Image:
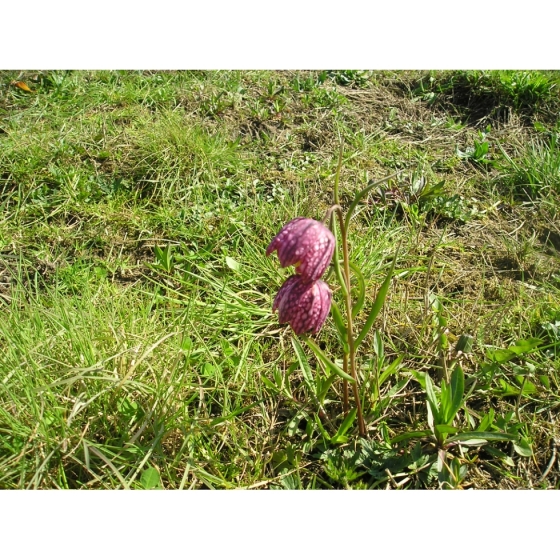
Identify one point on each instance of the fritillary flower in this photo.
(306, 243)
(304, 305)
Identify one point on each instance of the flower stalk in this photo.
(350, 327)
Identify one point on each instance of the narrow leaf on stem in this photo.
(340, 326)
(357, 307)
(321, 356)
(432, 400)
(378, 303)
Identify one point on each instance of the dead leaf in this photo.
(22, 85)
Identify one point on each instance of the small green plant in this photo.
(443, 408)
(323, 98)
(353, 78)
(216, 103)
(479, 152)
(423, 198)
(309, 83)
(164, 258)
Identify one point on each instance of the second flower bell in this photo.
(304, 305)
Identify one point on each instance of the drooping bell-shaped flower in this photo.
(306, 243)
(304, 305)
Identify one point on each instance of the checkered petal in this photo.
(304, 305)
(306, 243)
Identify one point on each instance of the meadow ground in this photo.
(139, 349)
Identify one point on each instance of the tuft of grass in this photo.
(534, 172)
(481, 94)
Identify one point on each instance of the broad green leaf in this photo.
(150, 479)
(159, 253)
(464, 344)
(420, 376)
(233, 264)
(320, 427)
(164, 257)
(345, 426)
(525, 345)
(523, 447)
(430, 191)
(326, 362)
(268, 383)
(500, 356)
(378, 303)
(509, 390)
(292, 425)
(277, 376)
(474, 442)
(432, 400)
(484, 436)
(446, 429)
(186, 344)
(500, 454)
(487, 420)
(390, 369)
(410, 435)
(545, 380)
(325, 387)
(445, 402)
(378, 346)
(457, 392)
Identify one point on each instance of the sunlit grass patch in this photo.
(139, 348)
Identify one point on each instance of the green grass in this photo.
(139, 348)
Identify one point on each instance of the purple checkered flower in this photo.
(304, 305)
(306, 243)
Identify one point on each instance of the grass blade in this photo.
(304, 364)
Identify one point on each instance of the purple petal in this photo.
(304, 305)
(306, 243)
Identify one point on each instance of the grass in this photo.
(139, 349)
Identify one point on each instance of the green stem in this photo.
(350, 330)
(346, 406)
(344, 286)
(337, 176)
